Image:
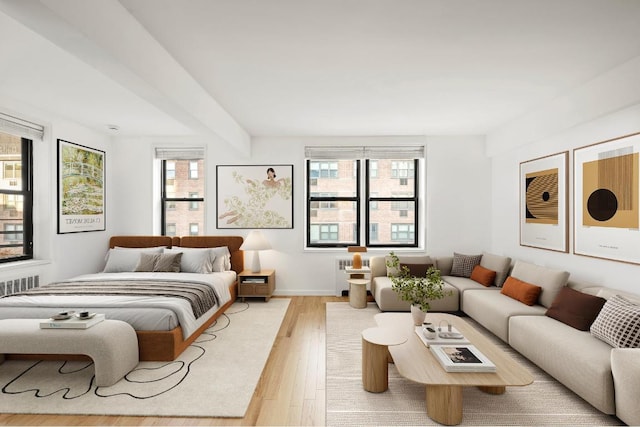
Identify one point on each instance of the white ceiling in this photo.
(241, 68)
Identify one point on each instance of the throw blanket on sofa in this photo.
(200, 296)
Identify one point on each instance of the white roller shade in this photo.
(345, 153)
(20, 127)
(183, 153)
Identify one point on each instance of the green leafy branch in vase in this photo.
(419, 291)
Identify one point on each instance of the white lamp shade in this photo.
(255, 241)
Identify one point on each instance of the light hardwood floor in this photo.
(291, 390)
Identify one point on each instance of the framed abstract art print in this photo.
(544, 203)
(606, 193)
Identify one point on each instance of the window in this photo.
(16, 198)
(193, 229)
(182, 187)
(193, 206)
(193, 170)
(362, 195)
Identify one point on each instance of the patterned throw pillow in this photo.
(169, 263)
(463, 264)
(618, 323)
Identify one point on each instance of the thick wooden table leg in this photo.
(375, 371)
(492, 389)
(444, 404)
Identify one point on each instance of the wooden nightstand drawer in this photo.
(261, 284)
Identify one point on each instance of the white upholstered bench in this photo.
(111, 344)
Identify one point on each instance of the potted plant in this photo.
(417, 290)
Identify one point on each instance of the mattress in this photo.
(144, 313)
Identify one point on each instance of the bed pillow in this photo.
(463, 264)
(194, 260)
(223, 259)
(575, 308)
(169, 263)
(124, 261)
(522, 291)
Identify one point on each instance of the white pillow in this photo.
(194, 260)
(121, 261)
(223, 259)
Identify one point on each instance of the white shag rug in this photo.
(215, 377)
(545, 402)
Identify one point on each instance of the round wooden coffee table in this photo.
(375, 357)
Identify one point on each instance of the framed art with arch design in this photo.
(606, 194)
(544, 218)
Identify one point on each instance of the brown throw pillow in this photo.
(417, 270)
(482, 275)
(575, 308)
(159, 262)
(521, 291)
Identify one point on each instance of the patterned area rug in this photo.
(215, 377)
(545, 402)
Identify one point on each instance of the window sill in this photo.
(20, 265)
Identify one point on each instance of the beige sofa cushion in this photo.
(497, 263)
(625, 366)
(492, 309)
(548, 279)
(575, 358)
(388, 300)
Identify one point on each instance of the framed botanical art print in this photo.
(254, 196)
(606, 193)
(81, 188)
(544, 214)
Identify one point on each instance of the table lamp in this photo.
(255, 242)
(356, 263)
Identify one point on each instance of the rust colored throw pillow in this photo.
(417, 270)
(575, 308)
(482, 275)
(521, 291)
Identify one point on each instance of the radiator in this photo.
(342, 287)
(9, 287)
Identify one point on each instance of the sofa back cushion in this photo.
(550, 280)
(575, 308)
(497, 263)
(522, 291)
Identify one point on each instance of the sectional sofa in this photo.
(572, 330)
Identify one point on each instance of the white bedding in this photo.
(144, 313)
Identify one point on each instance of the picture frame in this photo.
(81, 188)
(606, 194)
(544, 202)
(254, 196)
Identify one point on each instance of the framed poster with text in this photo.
(606, 193)
(544, 214)
(81, 188)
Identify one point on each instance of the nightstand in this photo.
(260, 284)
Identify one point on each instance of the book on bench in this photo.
(72, 322)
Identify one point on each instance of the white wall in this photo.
(58, 256)
(458, 201)
(505, 184)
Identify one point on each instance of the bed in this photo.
(165, 326)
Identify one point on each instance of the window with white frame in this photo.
(372, 192)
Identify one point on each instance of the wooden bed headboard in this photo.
(232, 242)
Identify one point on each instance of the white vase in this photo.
(417, 314)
